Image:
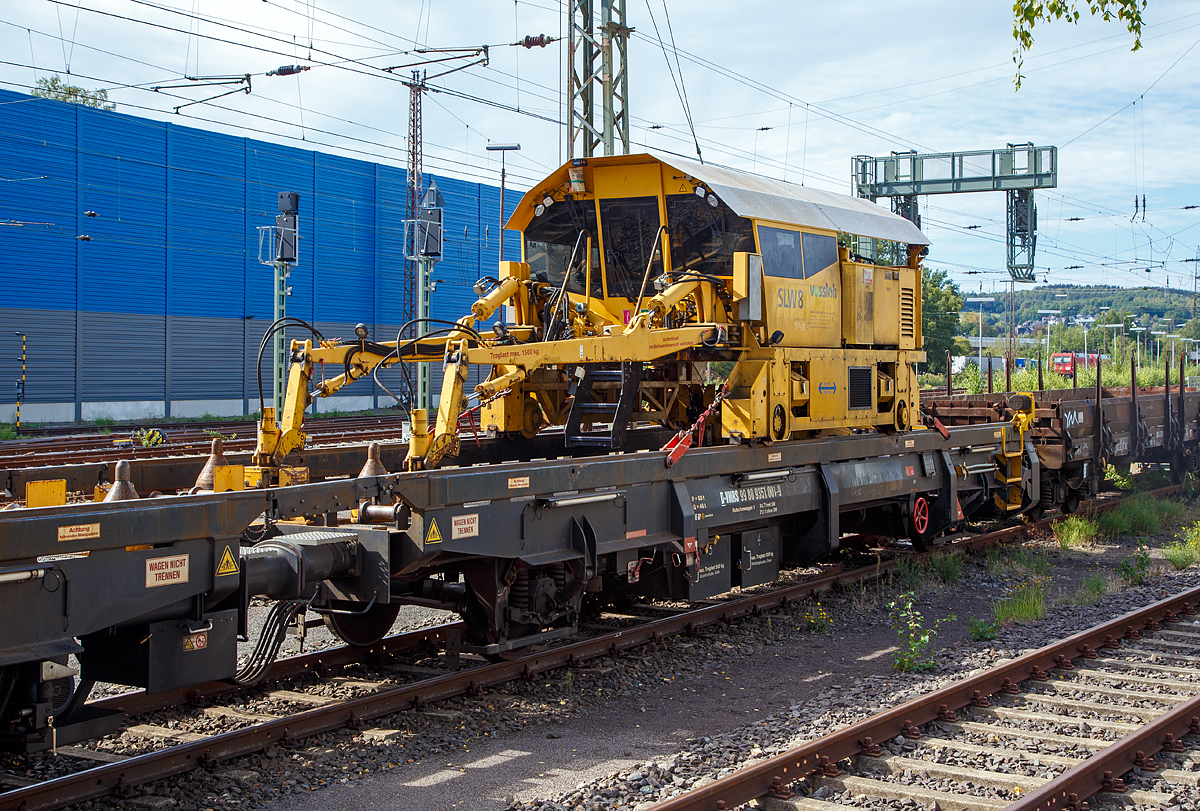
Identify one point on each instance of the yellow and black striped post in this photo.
(21, 382)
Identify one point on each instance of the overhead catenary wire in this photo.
(307, 11)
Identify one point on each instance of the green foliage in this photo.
(947, 567)
(8, 432)
(1094, 587)
(1027, 13)
(1135, 566)
(913, 573)
(915, 638)
(941, 302)
(1140, 515)
(1075, 530)
(1191, 535)
(815, 619)
(1180, 555)
(215, 434)
(982, 630)
(1026, 603)
(1185, 551)
(53, 87)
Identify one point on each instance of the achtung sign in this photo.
(166, 571)
(78, 532)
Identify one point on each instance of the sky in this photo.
(791, 90)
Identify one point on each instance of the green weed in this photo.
(1093, 587)
(815, 619)
(1135, 566)
(982, 630)
(912, 573)
(915, 638)
(1075, 530)
(947, 567)
(1026, 603)
(995, 559)
(1181, 555)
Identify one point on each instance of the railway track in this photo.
(1047, 730)
(184, 439)
(410, 683)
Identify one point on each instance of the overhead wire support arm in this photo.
(210, 81)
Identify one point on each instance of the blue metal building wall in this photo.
(165, 301)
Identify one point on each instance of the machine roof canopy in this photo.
(757, 197)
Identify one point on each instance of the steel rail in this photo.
(319, 662)
(124, 775)
(769, 776)
(1089, 777)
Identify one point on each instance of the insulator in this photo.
(540, 41)
(287, 70)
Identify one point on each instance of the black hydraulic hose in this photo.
(266, 650)
(271, 330)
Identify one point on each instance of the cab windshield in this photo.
(550, 240)
(630, 227)
(703, 237)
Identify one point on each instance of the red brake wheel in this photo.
(920, 515)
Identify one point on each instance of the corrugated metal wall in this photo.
(130, 255)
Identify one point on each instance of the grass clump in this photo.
(1140, 515)
(1185, 551)
(1074, 531)
(912, 573)
(948, 568)
(1026, 603)
(1181, 555)
(1094, 587)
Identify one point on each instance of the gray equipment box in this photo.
(714, 574)
(166, 655)
(760, 557)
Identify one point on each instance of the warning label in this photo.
(78, 532)
(434, 535)
(167, 571)
(196, 641)
(518, 482)
(227, 565)
(464, 526)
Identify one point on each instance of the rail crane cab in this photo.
(638, 270)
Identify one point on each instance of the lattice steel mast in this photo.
(597, 60)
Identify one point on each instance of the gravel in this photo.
(596, 710)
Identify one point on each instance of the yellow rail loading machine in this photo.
(658, 290)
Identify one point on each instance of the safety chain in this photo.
(679, 444)
(470, 413)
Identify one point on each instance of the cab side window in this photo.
(820, 251)
(781, 252)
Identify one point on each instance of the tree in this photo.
(941, 302)
(55, 88)
(1027, 13)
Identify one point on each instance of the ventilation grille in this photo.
(859, 390)
(908, 318)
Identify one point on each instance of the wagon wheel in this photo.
(363, 630)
